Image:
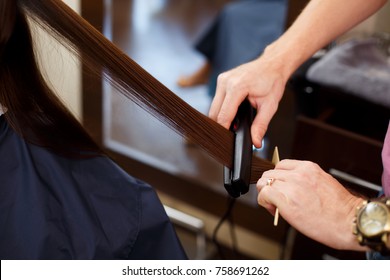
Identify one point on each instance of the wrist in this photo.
(286, 60)
(351, 242)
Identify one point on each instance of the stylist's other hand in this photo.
(261, 82)
(311, 201)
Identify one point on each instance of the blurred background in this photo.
(315, 122)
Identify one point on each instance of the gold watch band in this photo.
(379, 242)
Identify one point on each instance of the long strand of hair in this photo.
(133, 81)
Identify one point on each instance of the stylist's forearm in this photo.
(319, 23)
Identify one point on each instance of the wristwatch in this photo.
(372, 225)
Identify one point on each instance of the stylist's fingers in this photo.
(273, 175)
(224, 94)
(268, 195)
(300, 166)
(219, 97)
(265, 112)
(271, 187)
(234, 96)
(229, 109)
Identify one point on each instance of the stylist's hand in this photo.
(311, 201)
(261, 82)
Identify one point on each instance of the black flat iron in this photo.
(237, 179)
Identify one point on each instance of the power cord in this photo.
(227, 216)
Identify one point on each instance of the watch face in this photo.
(372, 219)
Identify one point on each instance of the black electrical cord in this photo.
(233, 235)
(226, 216)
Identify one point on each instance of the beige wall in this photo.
(380, 22)
(60, 67)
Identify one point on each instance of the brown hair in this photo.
(99, 54)
(33, 110)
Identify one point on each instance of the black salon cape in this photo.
(56, 208)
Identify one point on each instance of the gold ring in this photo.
(270, 181)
